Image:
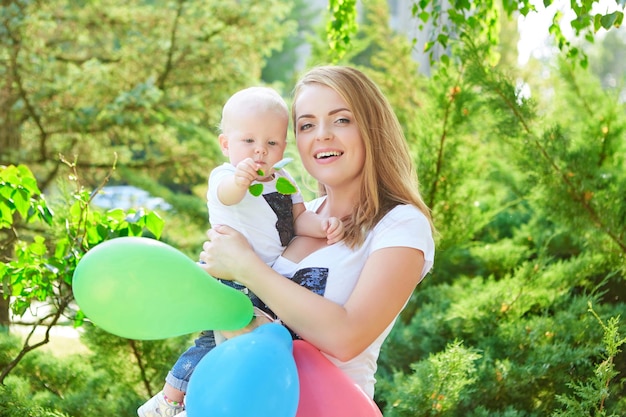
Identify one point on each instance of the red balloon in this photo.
(325, 390)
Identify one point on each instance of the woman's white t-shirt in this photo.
(333, 272)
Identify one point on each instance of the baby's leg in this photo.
(169, 402)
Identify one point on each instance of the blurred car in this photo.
(126, 197)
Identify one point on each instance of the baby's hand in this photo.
(334, 229)
(246, 172)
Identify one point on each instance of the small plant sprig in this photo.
(589, 396)
(283, 185)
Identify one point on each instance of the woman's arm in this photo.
(385, 284)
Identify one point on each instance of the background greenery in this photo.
(524, 169)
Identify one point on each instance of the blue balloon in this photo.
(250, 375)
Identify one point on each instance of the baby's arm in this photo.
(232, 189)
(309, 223)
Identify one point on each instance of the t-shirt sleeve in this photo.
(405, 226)
(216, 176)
(314, 204)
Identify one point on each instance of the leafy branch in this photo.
(519, 117)
(283, 185)
(341, 27)
(38, 269)
(480, 20)
(589, 397)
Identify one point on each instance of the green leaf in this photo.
(597, 22)
(256, 189)
(45, 213)
(135, 229)
(115, 215)
(21, 201)
(609, 20)
(38, 247)
(284, 186)
(6, 218)
(154, 224)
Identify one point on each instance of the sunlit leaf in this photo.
(284, 186)
(608, 20)
(256, 189)
(155, 224)
(21, 201)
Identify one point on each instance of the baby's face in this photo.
(260, 135)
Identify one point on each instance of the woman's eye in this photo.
(343, 120)
(305, 126)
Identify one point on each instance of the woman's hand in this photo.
(227, 254)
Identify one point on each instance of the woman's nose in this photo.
(324, 133)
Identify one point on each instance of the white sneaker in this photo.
(158, 407)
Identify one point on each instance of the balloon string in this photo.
(258, 312)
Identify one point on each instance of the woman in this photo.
(343, 298)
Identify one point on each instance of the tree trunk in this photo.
(9, 126)
(10, 142)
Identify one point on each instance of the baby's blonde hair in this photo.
(256, 98)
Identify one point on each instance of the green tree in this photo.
(133, 85)
(44, 254)
(526, 194)
(281, 66)
(144, 80)
(479, 20)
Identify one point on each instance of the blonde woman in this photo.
(343, 298)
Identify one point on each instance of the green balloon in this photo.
(144, 289)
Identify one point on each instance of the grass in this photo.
(63, 340)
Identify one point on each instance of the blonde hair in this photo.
(389, 176)
(256, 98)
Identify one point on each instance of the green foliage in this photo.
(105, 381)
(590, 396)
(531, 330)
(19, 194)
(479, 20)
(39, 265)
(139, 82)
(281, 66)
(139, 366)
(435, 384)
(43, 266)
(340, 27)
(15, 402)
